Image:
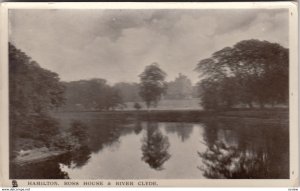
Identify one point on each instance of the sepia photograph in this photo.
(149, 93)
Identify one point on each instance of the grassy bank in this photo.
(167, 104)
(36, 155)
(193, 115)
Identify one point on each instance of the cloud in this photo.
(118, 44)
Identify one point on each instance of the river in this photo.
(133, 149)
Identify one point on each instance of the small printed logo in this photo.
(14, 183)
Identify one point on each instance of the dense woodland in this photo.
(250, 73)
(33, 92)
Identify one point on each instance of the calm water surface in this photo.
(156, 150)
(119, 149)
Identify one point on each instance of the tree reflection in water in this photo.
(222, 161)
(138, 127)
(155, 147)
(77, 158)
(183, 130)
(258, 151)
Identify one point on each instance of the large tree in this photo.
(254, 71)
(152, 85)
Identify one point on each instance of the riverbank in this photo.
(277, 114)
(36, 155)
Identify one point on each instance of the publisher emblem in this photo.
(14, 183)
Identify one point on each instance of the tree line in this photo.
(96, 94)
(250, 73)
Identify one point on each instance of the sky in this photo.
(117, 44)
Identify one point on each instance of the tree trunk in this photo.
(262, 105)
(250, 105)
(273, 103)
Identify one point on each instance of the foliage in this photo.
(251, 71)
(92, 94)
(128, 91)
(137, 106)
(40, 128)
(32, 88)
(34, 92)
(152, 85)
(218, 93)
(180, 88)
